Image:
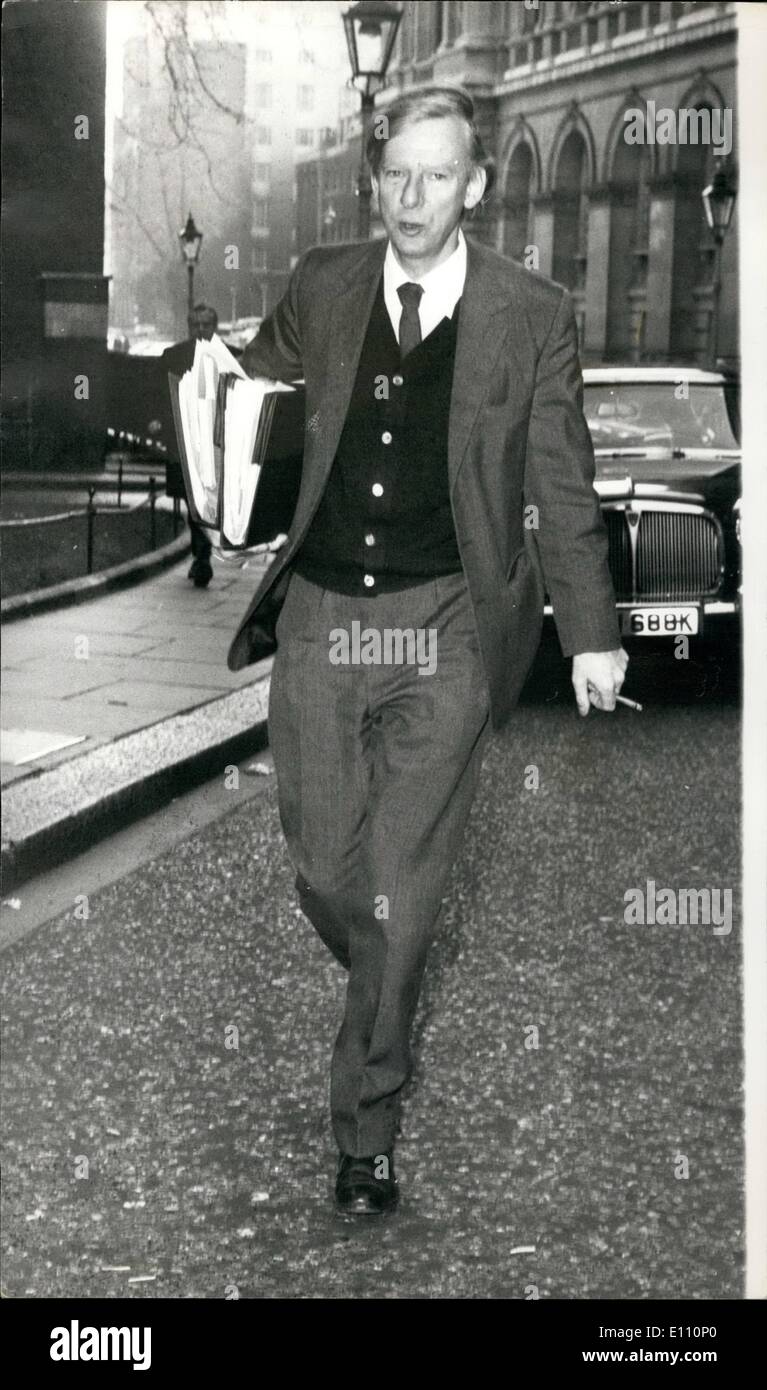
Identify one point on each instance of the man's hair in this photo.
(426, 104)
(205, 309)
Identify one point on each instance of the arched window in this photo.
(627, 268)
(516, 203)
(571, 213)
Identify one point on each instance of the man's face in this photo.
(202, 326)
(424, 182)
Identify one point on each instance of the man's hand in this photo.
(238, 559)
(598, 677)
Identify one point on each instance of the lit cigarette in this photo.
(631, 704)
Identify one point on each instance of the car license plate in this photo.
(660, 622)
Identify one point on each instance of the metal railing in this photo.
(35, 532)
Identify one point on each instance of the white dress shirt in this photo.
(442, 288)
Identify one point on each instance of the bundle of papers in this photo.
(224, 423)
(248, 415)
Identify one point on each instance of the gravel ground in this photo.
(147, 1156)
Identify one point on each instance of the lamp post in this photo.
(191, 241)
(718, 204)
(371, 28)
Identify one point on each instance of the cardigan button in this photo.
(386, 437)
(368, 581)
(377, 490)
(398, 380)
(370, 538)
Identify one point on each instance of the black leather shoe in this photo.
(366, 1186)
(201, 573)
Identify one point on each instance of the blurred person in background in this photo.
(202, 323)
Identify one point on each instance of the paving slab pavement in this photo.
(133, 691)
(123, 660)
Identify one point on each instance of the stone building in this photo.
(171, 154)
(557, 86)
(265, 82)
(296, 69)
(326, 184)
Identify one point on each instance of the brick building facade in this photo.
(266, 82)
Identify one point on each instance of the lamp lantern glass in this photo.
(371, 28)
(191, 241)
(719, 202)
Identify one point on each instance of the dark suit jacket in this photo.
(177, 359)
(517, 439)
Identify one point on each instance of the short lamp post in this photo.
(191, 241)
(371, 28)
(718, 205)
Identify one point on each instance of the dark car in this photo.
(668, 476)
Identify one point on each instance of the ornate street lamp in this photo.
(371, 28)
(718, 205)
(191, 241)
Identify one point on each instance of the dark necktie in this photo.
(409, 324)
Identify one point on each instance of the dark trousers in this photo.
(377, 766)
(201, 547)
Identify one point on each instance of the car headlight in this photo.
(736, 509)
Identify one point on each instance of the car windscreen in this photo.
(652, 415)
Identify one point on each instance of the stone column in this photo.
(597, 274)
(660, 265)
(543, 231)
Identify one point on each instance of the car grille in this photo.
(678, 555)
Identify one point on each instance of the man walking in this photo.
(447, 482)
(202, 323)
